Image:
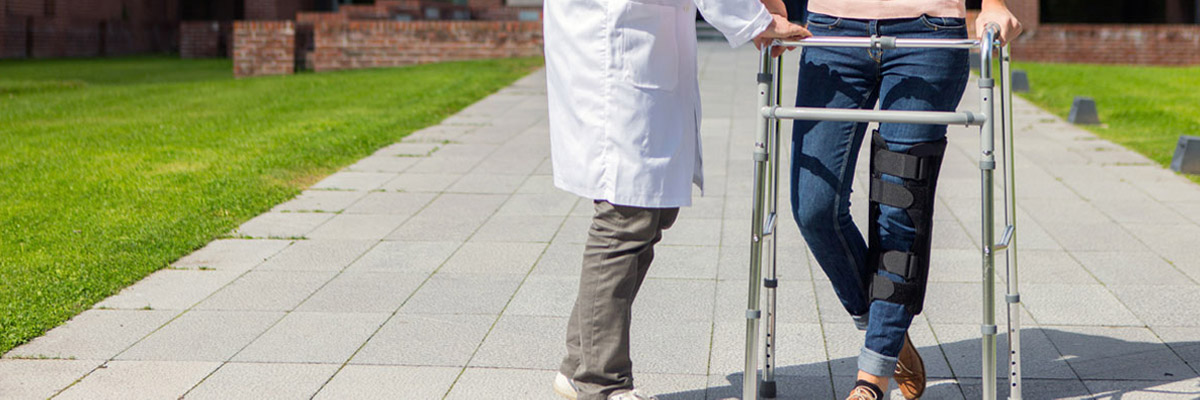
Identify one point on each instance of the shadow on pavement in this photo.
(1053, 363)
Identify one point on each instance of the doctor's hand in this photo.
(780, 28)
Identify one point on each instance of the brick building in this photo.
(1100, 31)
(86, 28)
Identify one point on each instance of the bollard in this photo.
(1083, 111)
(1187, 155)
(1020, 81)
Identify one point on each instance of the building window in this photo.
(433, 13)
(529, 15)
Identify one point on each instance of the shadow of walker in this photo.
(1056, 364)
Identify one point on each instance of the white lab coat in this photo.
(623, 95)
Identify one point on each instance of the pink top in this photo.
(888, 9)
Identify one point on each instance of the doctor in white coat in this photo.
(624, 106)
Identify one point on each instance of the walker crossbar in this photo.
(882, 42)
(765, 193)
(911, 117)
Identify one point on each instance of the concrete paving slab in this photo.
(729, 387)
(1060, 304)
(409, 257)
(519, 341)
(1130, 268)
(391, 203)
(1184, 340)
(359, 181)
(1070, 389)
(1162, 304)
(358, 226)
(94, 335)
(317, 255)
(153, 380)
(40, 379)
(169, 289)
(463, 294)
(383, 163)
(264, 381)
(482, 383)
(267, 291)
(545, 296)
(384, 382)
(425, 339)
(518, 228)
(1138, 390)
(231, 254)
(312, 337)
(675, 300)
(411, 182)
(688, 353)
(556, 203)
(408, 149)
(961, 345)
(494, 258)
(363, 292)
(450, 216)
(486, 183)
(684, 262)
(1047, 266)
(202, 336)
(1121, 353)
(272, 225)
(320, 201)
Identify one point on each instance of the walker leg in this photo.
(761, 157)
(987, 164)
(770, 282)
(1013, 297)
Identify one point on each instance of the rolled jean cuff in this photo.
(876, 364)
(860, 321)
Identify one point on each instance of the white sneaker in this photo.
(631, 395)
(565, 387)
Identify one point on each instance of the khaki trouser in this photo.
(619, 250)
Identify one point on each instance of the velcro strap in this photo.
(890, 193)
(885, 289)
(906, 166)
(900, 263)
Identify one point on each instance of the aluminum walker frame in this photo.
(766, 178)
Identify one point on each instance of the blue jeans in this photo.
(824, 155)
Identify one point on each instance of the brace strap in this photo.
(885, 289)
(903, 165)
(901, 263)
(892, 194)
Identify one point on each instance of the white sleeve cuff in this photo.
(753, 29)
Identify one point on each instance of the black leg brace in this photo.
(918, 168)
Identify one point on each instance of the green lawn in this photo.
(113, 168)
(1142, 108)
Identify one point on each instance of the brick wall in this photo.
(204, 39)
(1111, 44)
(263, 48)
(368, 44)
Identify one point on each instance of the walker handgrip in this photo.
(994, 29)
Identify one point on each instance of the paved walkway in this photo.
(445, 265)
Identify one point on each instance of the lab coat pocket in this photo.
(648, 48)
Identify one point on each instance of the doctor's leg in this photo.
(619, 250)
